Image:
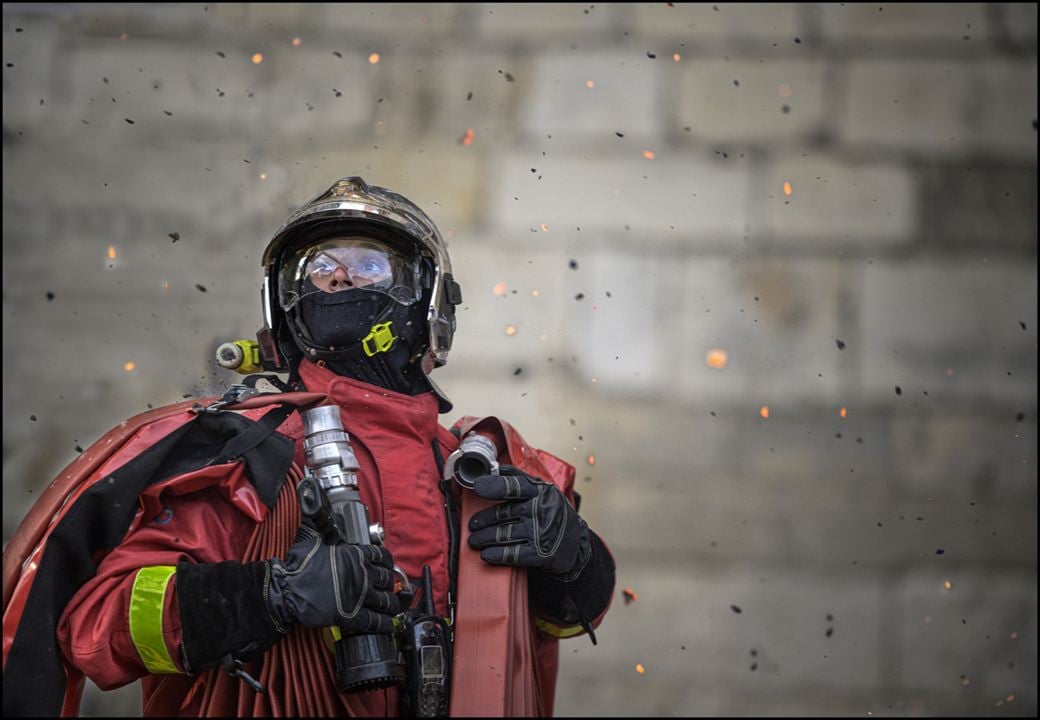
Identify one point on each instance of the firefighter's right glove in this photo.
(244, 608)
(319, 585)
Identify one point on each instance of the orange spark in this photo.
(258, 58)
(500, 289)
(467, 137)
(676, 57)
(764, 411)
(843, 412)
(263, 176)
(111, 252)
(591, 459)
(640, 669)
(373, 58)
(535, 293)
(717, 358)
(589, 84)
(648, 154)
(510, 329)
(787, 189)
(545, 228)
(129, 365)
(947, 584)
(296, 42)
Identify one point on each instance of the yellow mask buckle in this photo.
(379, 340)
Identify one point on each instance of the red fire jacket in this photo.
(209, 516)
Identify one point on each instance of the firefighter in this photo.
(201, 580)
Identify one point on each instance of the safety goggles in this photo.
(349, 263)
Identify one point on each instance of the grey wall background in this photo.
(879, 563)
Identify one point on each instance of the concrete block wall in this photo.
(839, 197)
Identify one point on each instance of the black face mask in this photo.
(342, 320)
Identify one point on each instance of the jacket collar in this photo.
(369, 409)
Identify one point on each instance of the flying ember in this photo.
(500, 289)
(717, 358)
(648, 154)
(129, 365)
(787, 189)
(510, 329)
(373, 58)
(258, 58)
(764, 411)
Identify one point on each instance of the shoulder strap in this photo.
(258, 431)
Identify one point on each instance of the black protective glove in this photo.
(321, 585)
(243, 608)
(570, 577)
(535, 527)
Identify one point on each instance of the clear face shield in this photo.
(345, 263)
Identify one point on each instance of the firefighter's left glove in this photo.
(534, 526)
(570, 577)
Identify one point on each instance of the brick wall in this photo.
(840, 197)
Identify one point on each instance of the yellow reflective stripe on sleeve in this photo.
(146, 617)
(557, 631)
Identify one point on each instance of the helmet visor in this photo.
(346, 263)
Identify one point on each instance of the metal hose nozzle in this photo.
(476, 455)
